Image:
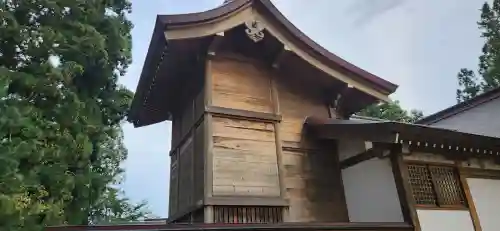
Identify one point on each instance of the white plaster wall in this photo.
(445, 220)
(370, 192)
(349, 148)
(486, 197)
(482, 120)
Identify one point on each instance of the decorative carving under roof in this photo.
(255, 30)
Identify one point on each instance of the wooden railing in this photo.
(248, 214)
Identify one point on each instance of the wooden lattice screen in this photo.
(247, 214)
(435, 186)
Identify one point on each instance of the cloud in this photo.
(368, 10)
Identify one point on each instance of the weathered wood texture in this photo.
(297, 101)
(313, 185)
(244, 158)
(312, 176)
(187, 171)
(187, 154)
(174, 182)
(244, 151)
(241, 85)
(243, 214)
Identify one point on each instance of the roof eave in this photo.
(460, 107)
(386, 86)
(157, 40)
(165, 21)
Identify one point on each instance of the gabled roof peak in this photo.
(173, 33)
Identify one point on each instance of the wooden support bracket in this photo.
(281, 56)
(215, 44)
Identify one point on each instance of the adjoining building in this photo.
(263, 135)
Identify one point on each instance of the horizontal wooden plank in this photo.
(241, 85)
(247, 156)
(244, 145)
(246, 201)
(246, 190)
(248, 180)
(240, 169)
(243, 129)
(242, 114)
(242, 102)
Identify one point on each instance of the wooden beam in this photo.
(468, 198)
(281, 56)
(243, 114)
(246, 201)
(188, 134)
(371, 151)
(215, 44)
(479, 173)
(178, 215)
(325, 132)
(401, 179)
(279, 145)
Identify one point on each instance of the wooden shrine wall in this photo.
(248, 153)
(312, 177)
(244, 151)
(187, 147)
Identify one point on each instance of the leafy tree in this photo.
(61, 141)
(488, 73)
(391, 111)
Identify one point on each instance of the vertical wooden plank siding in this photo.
(248, 214)
(404, 191)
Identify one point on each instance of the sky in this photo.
(418, 44)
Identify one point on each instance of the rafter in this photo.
(281, 56)
(340, 99)
(215, 44)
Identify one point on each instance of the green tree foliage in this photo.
(61, 108)
(488, 73)
(391, 111)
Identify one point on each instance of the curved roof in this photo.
(167, 26)
(319, 51)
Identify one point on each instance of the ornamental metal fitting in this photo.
(255, 30)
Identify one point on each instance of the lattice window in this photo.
(435, 186)
(247, 214)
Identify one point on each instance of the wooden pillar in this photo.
(405, 195)
(208, 142)
(468, 198)
(279, 146)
